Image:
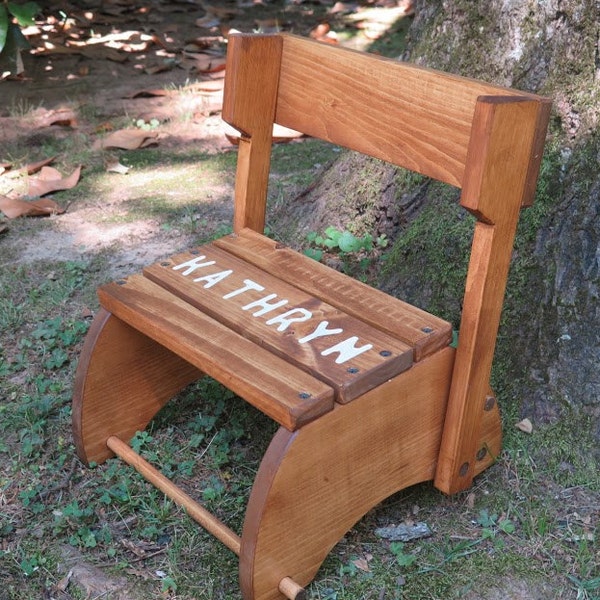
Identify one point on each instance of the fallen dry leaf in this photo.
(64, 117)
(127, 139)
(114, 166)
(281, 134)
(320, 31)
(13, 207)
(32, 168)
(362, 564)
(63, 584)
(203, 63)
(148, 93)
(525, 425)
(50, 180)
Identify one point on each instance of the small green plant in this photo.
(356, 253)
(403, 558)
(343, 241)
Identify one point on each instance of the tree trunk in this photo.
(548, 356)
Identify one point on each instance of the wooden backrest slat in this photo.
(404, 114)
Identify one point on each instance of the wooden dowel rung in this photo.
(197, 512)
(287, 586)
(290, 589)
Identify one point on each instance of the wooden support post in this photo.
(287, 586)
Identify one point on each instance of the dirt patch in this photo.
(510, 588)
(97, 67)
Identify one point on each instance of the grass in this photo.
(529, 523)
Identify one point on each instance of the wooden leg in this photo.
(316, 483)
(123, 379)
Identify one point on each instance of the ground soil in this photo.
(97, 66)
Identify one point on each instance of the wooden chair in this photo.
(368, 393)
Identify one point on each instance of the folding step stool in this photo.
(369, 395)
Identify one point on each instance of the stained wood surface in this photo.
(424, 332)
(253, 67)
(370, 358)
(502, 149)
(285, 393)
(316, 483)
(123, 379)
(402, 113)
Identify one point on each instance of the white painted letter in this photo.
(248, 285)
(320, 331)
(347, 350)
(193, 264)
(266, 307)
(286, 319)
(214, 278)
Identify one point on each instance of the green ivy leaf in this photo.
(348, 242)
(24, 13)
(314, 254)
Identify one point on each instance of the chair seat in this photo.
(287, 337)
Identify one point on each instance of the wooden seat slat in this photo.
(424, 332)
(280, 390)
(337, 348)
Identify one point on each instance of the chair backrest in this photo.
(486, 140)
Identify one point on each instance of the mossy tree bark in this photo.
(548, 356)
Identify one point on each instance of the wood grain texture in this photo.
(316, 483)
(407, 115)
(123, 379)
(286, 394)
(250, 95)
(424, 332)
(249, 315)
(505, 136)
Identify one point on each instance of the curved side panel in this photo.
(316, 483)
(123, 379)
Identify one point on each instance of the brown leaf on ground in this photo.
(148, 93)
(50, 180)
(203, 63)
(281, 134)
(13, 207)
(127, 139)
(113, 165)
(32, 168)
(64, 117)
